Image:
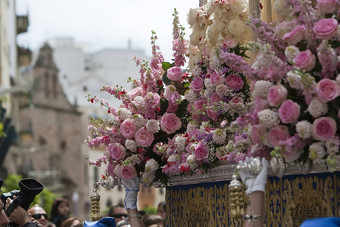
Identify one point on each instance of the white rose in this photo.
(236, 27)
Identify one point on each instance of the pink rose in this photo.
(201, 151)
(327, 6)
(289, 111)
(128, 172)
(212, 114)
(278, 135)
(135, 92)
(215, 98)
(117, 151)
(236, 99)
(305, 60)
(295, 36)
(175, 73)
(327, 90)
(256, 132)
(197, 84)
(276, 95)
(216, 78)
(128, 128)
(230, 43)
(260, 104)
(200, 104)
(170, 123)
(144, 138)
(235, 82)
(326, 28)
(324, 128)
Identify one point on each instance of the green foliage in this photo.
(44, 199)
(150, 210)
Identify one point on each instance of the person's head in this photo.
(70, 222)
(3, 217)
(118, 212)
(161, 210)
(153, 220)
(60, 207)
(39, 214)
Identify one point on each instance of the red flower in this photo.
(261, 6)
(184, 169)
(92, 100)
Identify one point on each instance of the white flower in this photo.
(219, 136)
(261, 89)
(152, 126)
(191, 160)
(151, 165)
(303, 129)
(291, 52)
(317, 151)
(130, 145)
(332, 145)
(191, 126)
(180, 143)
(169, 90)
(147, 178)
(139, 102)
(207, 83)
(207, 93)
(204, 125)
(236, 27)
(174, 158)
(135, 159)
(239, 6)
(317, 108)
(140, 121)
(190, 96)
(222, 90)
(294, 80)
(268, 118)
(124, 113)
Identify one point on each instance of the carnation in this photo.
(317, 151)
(124, 113)
(268, 118)
(130, 145)
(191, 96)
(191, 126)
(303, 128)
(317, 108)
(207, 83)
(191, 160)
(332, 145)
(139, 103)
(261, 89)
(152, 126)
(174, 158)
(219, 136)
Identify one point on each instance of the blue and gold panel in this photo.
(289, 201)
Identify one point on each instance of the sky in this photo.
(104, 23)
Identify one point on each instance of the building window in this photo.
(55, 85)
(62, 146)
(46, 85)
(42, 141)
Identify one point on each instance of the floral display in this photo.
(136, 135)
(295, 85)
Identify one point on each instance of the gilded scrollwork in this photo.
(289, 201)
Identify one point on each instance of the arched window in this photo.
(55, 85)
(42, 141)
(46, 85)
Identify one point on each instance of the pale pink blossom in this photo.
(305, 60)
(276, 95)
(235, 82)
(175, 73)
(277, 135)
(216, 78)
(327, 6)
(128, 172)
(289, 111)
(201, 151)
(326, 28)
(197, 84)
(327, 90)
(144, 138)
(170, 123)
(116, 151)
(128, 128)
(324, 128)
(296, 35)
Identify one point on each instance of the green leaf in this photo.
(166, 65)
(165, 79)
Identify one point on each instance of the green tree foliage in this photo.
(44, 199)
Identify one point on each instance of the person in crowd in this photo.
(39, 214)
(118, 212)
(153, 220)
(60, 211)
(70, 222)
(103, 222)
(256, 189)
(161, 210)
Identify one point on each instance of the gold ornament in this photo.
(95, 206)
(236, 199)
